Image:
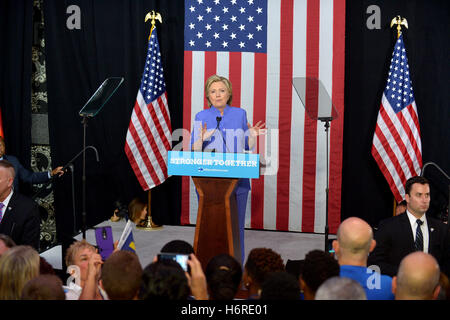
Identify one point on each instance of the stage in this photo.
(290, 245)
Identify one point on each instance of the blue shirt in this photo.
(230, 136)
(377, 286)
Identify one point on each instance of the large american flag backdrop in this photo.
(397, 147)
(260, 45)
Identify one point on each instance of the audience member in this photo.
(45, 267)
(444, 283)
(44, 287)
(353, 244)
(137, 210)
(318, 267)
(414, 231)
(178, 246)
(223, 276)
(85, 258)
(340, 288)
(26, 175)
(280, 285)
(6, 243)
(400, 207)
(417, 278)
(260, 262)
(295, 267)
(18, 265)
(196, 278)
(164, 280)
(19, 215)
(121, 276)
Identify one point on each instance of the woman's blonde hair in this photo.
(18, 265)
(225, 81)
(74, 249)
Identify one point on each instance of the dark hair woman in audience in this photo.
(223, 276)
(137, 210)
(164, 280)
(260, 263)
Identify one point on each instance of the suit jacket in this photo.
(21, 221)
(395, 240)
(24, 174)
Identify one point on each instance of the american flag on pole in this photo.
(397, 147)
(260, 45)
(149, 132)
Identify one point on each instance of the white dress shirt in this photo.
(423, 227)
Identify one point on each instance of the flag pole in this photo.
(148, 223)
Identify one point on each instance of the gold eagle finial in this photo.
(153, 16)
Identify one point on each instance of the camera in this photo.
(180, 258)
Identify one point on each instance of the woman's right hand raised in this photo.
(205, 134)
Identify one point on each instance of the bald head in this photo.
(354, 241)
(417, 277)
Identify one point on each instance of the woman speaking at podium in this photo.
(223, 128)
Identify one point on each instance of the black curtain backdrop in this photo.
(368, 52)
(16, 27)
(112, 41)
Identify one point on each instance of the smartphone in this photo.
(180, 258)
(105, 242)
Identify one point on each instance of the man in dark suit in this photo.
(24, 174)
(19, 215)
(411, 231)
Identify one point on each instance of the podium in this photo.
(217, 229)
(216, 177)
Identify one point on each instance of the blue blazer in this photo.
(24, 174)
(234, 130)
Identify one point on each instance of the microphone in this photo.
(218, 119)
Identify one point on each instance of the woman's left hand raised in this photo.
(257, 129)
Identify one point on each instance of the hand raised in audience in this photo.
(196, 278)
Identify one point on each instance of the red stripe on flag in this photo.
(337, 125)
(234, 76)
(259, 114)
(310, 128)
(393, 130)
(389, 152)
(285, 111)
(387, 174)
(136, 168)
(158, 126)
(187, 93)
(141, 150)
(409, 133)
(151, 139)
(210, 69)
(164, 107)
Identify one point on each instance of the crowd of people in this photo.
(24, 275)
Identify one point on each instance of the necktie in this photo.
(1, 211)
(419, 236)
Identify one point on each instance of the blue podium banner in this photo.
(212, 164)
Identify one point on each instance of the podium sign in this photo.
(213, 164)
